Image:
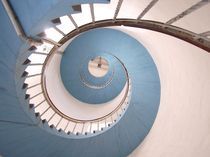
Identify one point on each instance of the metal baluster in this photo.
(33, 86)
(117, 113)
(35, 64)
(83, 127)
(66, 125)
(35, 95)
(73, 21)
(33, 75)
(59, 31)
(51, 117)
(117, 9)
(40, 53)
(188, 11)
(45, 111)
(90, 126)
(59, 122)
(39, 104)
(121, 109)
(74, 127)
(151, 4)
(111, 119)
(205, 34)
(98, 125)
(92, 12)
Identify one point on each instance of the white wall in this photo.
(182, 126)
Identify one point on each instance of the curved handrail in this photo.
(96, 86)
(180, 33)
(177, 32)
(45, 93)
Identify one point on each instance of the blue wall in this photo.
(9, 45)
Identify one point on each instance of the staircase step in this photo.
(77, 8)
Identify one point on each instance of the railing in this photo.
(37, 81)
(201, 40)
(94, 86)
(47, 110)
(105, 120)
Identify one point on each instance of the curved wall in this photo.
(181, 128)
(182, 124)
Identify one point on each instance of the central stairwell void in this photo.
(98, 66)
(112, 95)
(80, 86)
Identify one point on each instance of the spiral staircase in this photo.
(104, 78)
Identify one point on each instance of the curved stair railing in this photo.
(35, 78)
(19, 127)
(40, 102)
